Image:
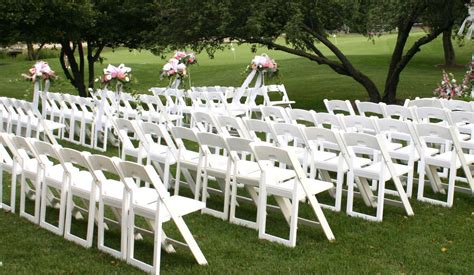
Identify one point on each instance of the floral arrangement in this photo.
(185, 58)
(177, 67)
(40, 70)
(263, 63)
(120, 76)
(449, 87)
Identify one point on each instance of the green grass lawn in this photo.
(436, 239)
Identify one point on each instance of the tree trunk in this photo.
(30, 50)
(449, 54)
(77, 76)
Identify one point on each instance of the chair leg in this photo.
(157, 244)
(350, 193)
(451, 185)
(189, 239)
(380, 201)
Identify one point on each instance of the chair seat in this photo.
(281, 103)
(333, 165)
(160, 153)
(248, 172)
(145, 204)
(404, 153)
(285, 189)
(54, 175)
(444, 160)
(373, 171)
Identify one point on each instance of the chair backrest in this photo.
(205, 121)
(431, 115)
(232, 126)
(274, 114)
(321, 138)
(359, 124)
(464, 121)
(124, 127)
(458, 105)
(259, 130)
(339, 106)
(332, 121)
(275, 93)
(74, 158)
(395, 128)
(45, 151)
(130, 171)
(432, 134)
(371, 108)
(399, 112)
(269, 156)
(98, 165)
(286, 133)
(301, 116)
(424, 102)
(7, 150)
(214, 141)
(361, 143)
(150, 133)
(23, 147)
(185, 137)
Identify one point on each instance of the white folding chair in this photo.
(340, 106)
(11, 163)
(292, 138)
(187, 158)
(215, 163)
(287, 193)
(452, 158)
(115, 194)
(54, 183)
(402, 133)
(81, 185)
(30, 177)
(381, 169)
(156, 204)
(158, 146)
(126, 131)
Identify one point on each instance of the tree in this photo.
(83, 28)
(305, 26)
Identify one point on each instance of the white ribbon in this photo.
(468, 19)
(176, 83)
(36, 91)
(103, 95)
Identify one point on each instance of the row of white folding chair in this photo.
(78, 113)
(282, 134)
(451, 104)
(19, 116)
(82, 175)
(383, 110)
(227, 159)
